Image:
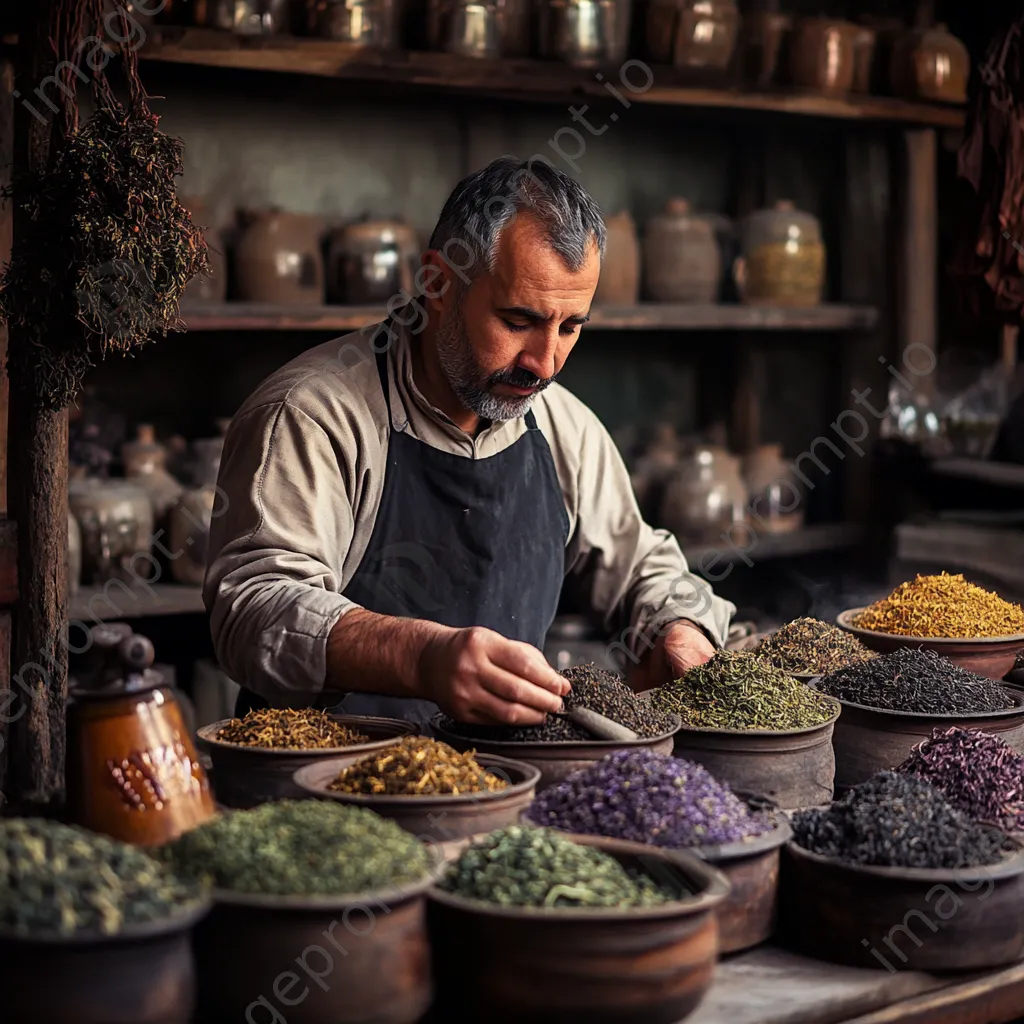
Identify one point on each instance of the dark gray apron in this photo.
(463, 542)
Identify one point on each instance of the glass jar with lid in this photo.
(783, 260)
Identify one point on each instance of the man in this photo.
(404, 504)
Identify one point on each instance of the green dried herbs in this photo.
(300, 848)
(536, 867)
(61, 880)
(289, 729)
(737, 690)
(811, 647)
(417, 766)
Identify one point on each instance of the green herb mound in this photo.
(62, 880)
(300, 848)
(536, 867)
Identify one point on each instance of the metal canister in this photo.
(582, 33)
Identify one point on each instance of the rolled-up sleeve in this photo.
(634, 577)
(281, 527)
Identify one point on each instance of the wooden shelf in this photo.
(999, 474)
(528, 80)
(114, 601)
(761, 545)
(244, 316)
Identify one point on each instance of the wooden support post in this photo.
(38, 494)
(920, 254)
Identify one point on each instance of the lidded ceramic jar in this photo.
(930, 64)
(698, 34)
(704, 496)
(116, 522)
(821, 55)
(278, 259)
(190, 522)
(783, 258)
(619, 283)
(774, 497)
(372, 261)
(681, 258)
(145, 464)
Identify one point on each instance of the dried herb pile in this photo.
(738, 690)
(289, 729)
(918, 681)
(63, 880)
(976, 771)
(299, 848)
(417, 766)
(811, 647)
(648, 798)
(593, 688)
(897, 820)
(942, 606)
(534, 867)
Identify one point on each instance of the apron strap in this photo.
(382, 372)
(531, 420)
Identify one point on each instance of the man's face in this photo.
(505, 338)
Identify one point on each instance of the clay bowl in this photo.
(512, 964)
(441, 818)
(987, 656)
(902, 918)
(365, 958)
(556, 761)
(869, 740)
(245, 776)
(145, 974)
(794, 768)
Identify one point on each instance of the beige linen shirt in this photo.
(300, 484)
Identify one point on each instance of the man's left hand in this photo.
(682, 646)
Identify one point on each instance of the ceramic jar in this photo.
(496, 28)
(580, 33)
(243, 17)
(372, 23)
(145, 464)
(619, 283)
(865, 40)
(190, 534)
(930, 64)
(704, 497)
(681, 258)
(773, 496)
(212, 287)
(204, 467)
(698, 34)
(74, 554)
(783, 258)
(761, 37)
(821, 55)
(278, 259)
(116, 521)
(654, 467)
(372, 261)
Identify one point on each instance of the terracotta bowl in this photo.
(987, 656)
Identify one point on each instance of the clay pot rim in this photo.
(715, 889)
(1010, 867)
(828, 723)
(528, 784)
(981, 716)
(181, 922)
(845, 621)
(533, 746)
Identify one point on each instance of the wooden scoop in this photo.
(597, 725)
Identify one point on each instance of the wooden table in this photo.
(771, 986)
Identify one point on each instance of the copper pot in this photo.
(278, 259)
(821, 55)
(930, 64)
(698, 34)
(133, 772)
(371, 261)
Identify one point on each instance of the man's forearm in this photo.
(371, 653)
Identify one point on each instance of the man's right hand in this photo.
(477, 675)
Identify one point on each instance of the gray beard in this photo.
(467, 379)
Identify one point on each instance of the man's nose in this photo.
(540, 354)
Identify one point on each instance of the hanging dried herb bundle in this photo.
(289, 729)
(942, 606)
(111, 249)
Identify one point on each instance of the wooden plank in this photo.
(998, 474)
(244, 316)
(807, 540)
(115, 601)
(992, 998)
(531, 80)
(6, 237)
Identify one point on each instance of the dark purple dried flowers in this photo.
(648, 798)
(976, 771)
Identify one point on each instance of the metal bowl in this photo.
(579, 966)
(244, 777)
(557, 760)
(436, 818)
(991, 656)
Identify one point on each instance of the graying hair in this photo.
(483, 203)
